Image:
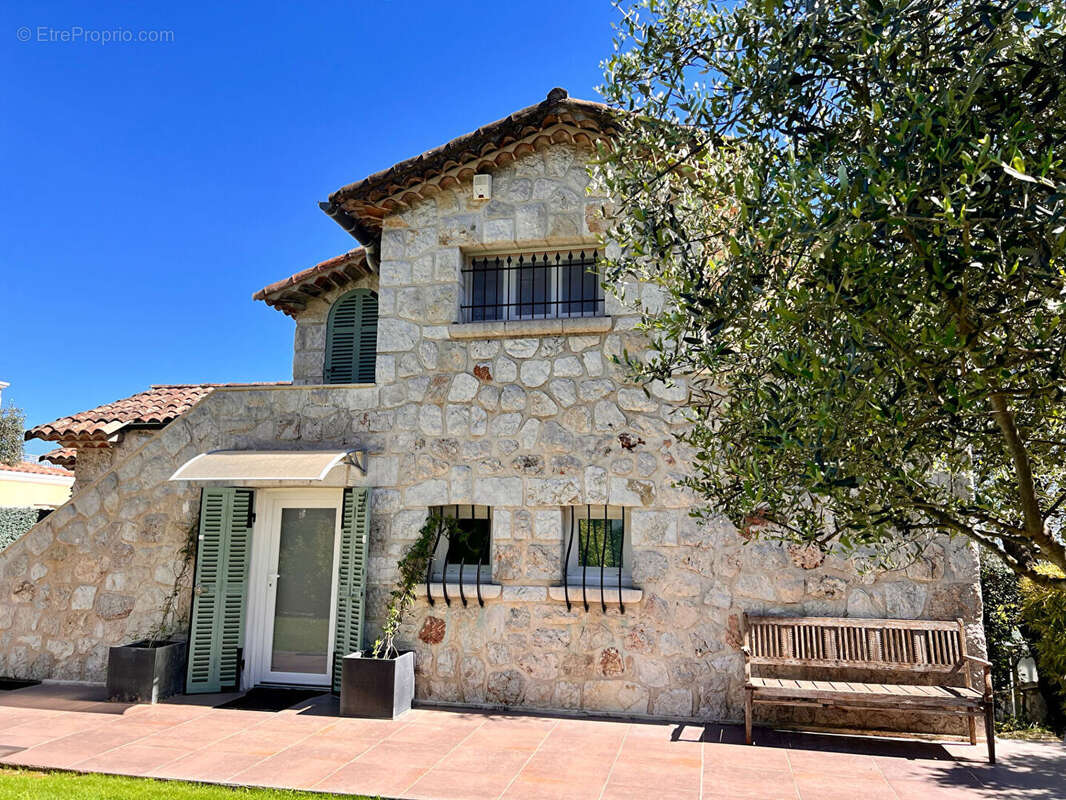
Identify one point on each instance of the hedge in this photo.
(14, 522)
(1044, 611)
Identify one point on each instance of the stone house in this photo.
(459, 359)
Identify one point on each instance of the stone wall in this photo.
(527, 417)
(92, 462)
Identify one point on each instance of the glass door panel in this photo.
(304, 586)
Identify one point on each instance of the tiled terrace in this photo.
(451, 754)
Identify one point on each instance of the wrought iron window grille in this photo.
(547, 285)
(482, 553)
(575, 524)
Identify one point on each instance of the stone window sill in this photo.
(529, 327)
(630, 596)
(511, 593)
(489, 591)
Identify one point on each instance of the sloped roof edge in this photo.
(154, 408)
(558, 118)
(291, 294)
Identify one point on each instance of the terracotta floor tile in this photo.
(819, 786)
(329, 747)
(843, 764)
(265, 743)
(928, 790)
(297, 724)
(449, 784)
(68, 750)
(474, 758)
(30, 733)
(387, 780)
(368, 728)
(655, 775)
(415, 754)
(572, 762)
(283, 770)
(426, 732)
(594, 745)
(130, 759)
(621, 791)
(207, 765)
(746, 756)
(751, 784)
(526, 787)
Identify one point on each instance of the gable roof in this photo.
(154, 408)
(359, 207)
(291, 294)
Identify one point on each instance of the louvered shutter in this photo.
(352, 338)
(218, 606)
(351, 578)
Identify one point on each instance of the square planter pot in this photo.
(145, 673)
(382, 688)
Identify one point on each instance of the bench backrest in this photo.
(887, 644)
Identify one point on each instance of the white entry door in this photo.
(296, 571)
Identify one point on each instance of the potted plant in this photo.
(382, 684)
(153, 668)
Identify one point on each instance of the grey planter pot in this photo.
(142, 674)
(382, 688)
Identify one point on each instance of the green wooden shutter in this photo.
(366, 360)
(351, 578)
(352, 338)
(222, 556)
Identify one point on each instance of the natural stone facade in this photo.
(527, 417)
(92, 462)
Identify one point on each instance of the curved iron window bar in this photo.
(584, 552)
(444, 571)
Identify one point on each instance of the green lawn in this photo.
(22, 784)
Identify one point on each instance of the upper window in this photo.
(532, 286)
(597, 547)
(352, 338)
(468, 547)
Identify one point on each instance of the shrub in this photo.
(1044, 612)
(1003, 605)
(14, 522)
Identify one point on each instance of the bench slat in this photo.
(888, 694)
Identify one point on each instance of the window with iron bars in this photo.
(461, 556)
(598, 555)
(545, 285)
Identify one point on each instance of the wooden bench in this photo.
(915, 646)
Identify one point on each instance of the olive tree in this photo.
(12, 423)
(855, 211)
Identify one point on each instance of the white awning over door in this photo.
(264, 465)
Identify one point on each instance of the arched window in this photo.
(352, 338)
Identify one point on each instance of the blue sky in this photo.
(150, 188)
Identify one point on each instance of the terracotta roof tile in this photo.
(63, 457)
(36, 469)
(291, 294)
(153, 408)
(359, 207)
